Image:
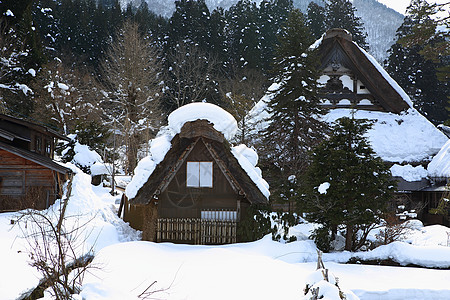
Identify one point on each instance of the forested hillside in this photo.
(100, 67)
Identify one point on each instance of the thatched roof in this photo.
(337, 47)
(192, 133)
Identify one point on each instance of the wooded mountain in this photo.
(380, 21)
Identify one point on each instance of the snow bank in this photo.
(404, 254)
(408, 172)
(90, 207)
(440, 165)
(408, 137)
(222, 121)
(253, 271)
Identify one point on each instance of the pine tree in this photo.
(341, 14)
(272, 15)
(242, 30)
(295, 127)
(346, 184)
(190, 24)
(416, 73)
(316, 18)
(21, 56)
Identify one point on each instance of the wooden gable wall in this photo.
(180, 201)
(371, 90)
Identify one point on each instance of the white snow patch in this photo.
(440, 165)
(32, 72)
(408, 172)
(9, 13)
(323, 188)
(84, 156)
(63, 86)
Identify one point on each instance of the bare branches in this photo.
(130, 79)
(190, 75)
(56, 247)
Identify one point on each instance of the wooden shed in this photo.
(29, 178)
(197, 194)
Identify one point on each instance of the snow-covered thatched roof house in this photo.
(354, 84)
(194, 174)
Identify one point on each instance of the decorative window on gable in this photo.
(199, 174)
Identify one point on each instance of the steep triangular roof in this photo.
(337, 50)
(181, 146)
(190, 125)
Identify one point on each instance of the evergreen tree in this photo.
(272, 15)
(242, 30)
(190, 23)
(218, 38)
(341, 14)
(316, 18)
(346, 184)
(295, 127)
(21, 56)
(416, 74)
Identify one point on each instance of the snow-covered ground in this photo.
(264, 269)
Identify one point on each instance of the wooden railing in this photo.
(197, 231)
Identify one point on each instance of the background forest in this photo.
(98, 68)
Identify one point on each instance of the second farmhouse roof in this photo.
(338, 52)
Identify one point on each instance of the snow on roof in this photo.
(409, 173)
(386, 76)
(407, 137)
(440, 165)
(248, 159)
(222, 121)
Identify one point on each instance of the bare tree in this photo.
(130, 76)
(241, 92)
(65, 95)
(56, 246)
(190, 76)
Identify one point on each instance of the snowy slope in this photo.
(124, 268)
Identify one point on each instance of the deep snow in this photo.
(264, 269)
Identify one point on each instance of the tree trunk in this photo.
(349, 238)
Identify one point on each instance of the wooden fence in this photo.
(197, 231)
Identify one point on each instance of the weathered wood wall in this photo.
(180, 201)
(24, 183)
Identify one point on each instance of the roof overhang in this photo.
(36, 158)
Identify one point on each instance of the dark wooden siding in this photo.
(180, 201)
(24, 183)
